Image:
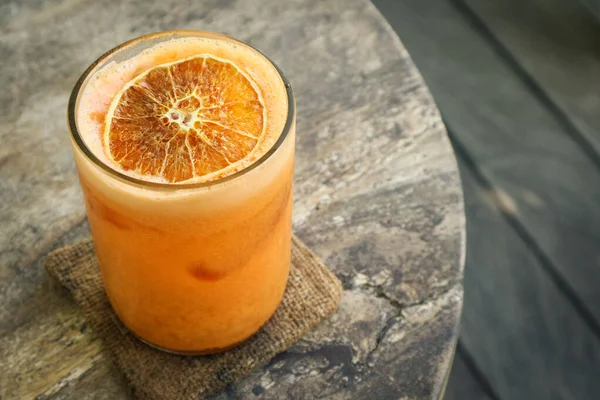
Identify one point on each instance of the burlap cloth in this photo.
(312, 293)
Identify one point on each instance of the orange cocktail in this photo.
(184, 144)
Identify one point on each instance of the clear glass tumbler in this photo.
(190, 268)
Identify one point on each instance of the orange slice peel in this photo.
(192, 119)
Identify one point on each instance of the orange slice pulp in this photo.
(193, 118)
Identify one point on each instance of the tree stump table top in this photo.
(377, 196)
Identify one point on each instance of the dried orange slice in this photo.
(196, 117)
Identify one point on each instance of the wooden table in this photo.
(377, 196)
(512, 79)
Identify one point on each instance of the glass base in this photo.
(192, 352)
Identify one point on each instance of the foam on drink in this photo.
(107, 82)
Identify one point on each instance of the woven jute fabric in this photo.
(312, 293)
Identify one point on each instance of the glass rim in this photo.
(78, 139)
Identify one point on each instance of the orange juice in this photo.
(184, 145)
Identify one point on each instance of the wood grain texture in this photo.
(557, 43)
(377, 195)
(462, 384)
(521, 329)
(519, 144)
(529, 341)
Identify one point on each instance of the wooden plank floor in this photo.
(516, 82)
